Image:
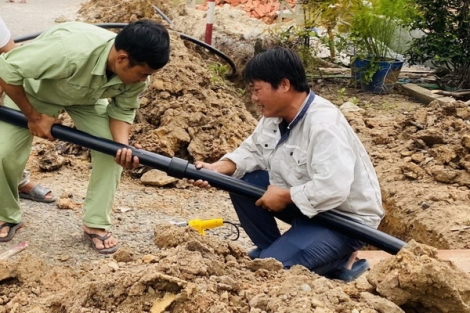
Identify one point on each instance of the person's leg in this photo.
(314, 246)
(25, 179)
(104, 180)
(15, 145)
(32, 191)
(260, 224)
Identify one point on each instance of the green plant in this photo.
(446, 27)
(297, 38)
(367, 72)
(374, 25)
(334, 15)
(354, 100)
(218, 71)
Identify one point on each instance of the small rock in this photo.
(157, 178)
(305, 287)
(67, 204)
(149, 258)
(113, 265)
(51, 161)
(63, 257)
(425, 205)
(124, 255)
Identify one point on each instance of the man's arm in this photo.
(39, 124)
(120, 130)
(9, 46)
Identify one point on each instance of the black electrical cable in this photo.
(182, 36)
(201, 43)
(236, 226)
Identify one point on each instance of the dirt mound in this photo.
(194, 273)
(421, 157)
(415, 278)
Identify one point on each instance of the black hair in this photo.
(273, 65)
(146, 42)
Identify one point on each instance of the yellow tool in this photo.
(202, 225)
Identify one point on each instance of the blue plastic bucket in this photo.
(382, 81)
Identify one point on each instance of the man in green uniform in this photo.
(96, 77)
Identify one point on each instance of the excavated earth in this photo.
(191, 111)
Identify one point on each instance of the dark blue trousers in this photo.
(307, 243)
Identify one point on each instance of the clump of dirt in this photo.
(415, 278)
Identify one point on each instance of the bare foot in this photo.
(99, 244)
(8, 230)
(351, 261)
(4, 231)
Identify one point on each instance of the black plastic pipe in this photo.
(180, 168)
(182, 36)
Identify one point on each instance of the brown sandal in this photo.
(90, 238)
(11, 232)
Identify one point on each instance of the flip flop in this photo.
(11, 232)
(90, 238)
(358, 268)
(38, 193)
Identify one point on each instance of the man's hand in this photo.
(41, 126)
(202, 183)
(125, 158)
(275, 199)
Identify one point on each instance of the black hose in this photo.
(180, 168)
(201, 43)
(182, 36)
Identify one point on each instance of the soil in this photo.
(191, 112)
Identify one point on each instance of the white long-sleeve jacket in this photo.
(322, 162)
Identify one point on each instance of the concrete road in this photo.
(37, 15)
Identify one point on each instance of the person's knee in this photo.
(259, 178)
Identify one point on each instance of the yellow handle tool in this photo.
(202, 225)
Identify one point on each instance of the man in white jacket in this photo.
(27, 189)
(306, 155)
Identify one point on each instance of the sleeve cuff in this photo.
(301, 201)
(7, 73)
(127, 116)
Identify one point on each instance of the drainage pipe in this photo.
(180, 168)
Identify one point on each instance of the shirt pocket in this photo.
(266, 143)
(71, 93)
(298, 162)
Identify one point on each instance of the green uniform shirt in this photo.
(66, 65)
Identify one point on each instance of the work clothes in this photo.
(319, 158)
(66, 66)
(320, 249)
(65, 69)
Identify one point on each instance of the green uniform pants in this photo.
(15, 147)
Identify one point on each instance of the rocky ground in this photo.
(191, 112)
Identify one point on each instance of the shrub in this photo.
(446, 24)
